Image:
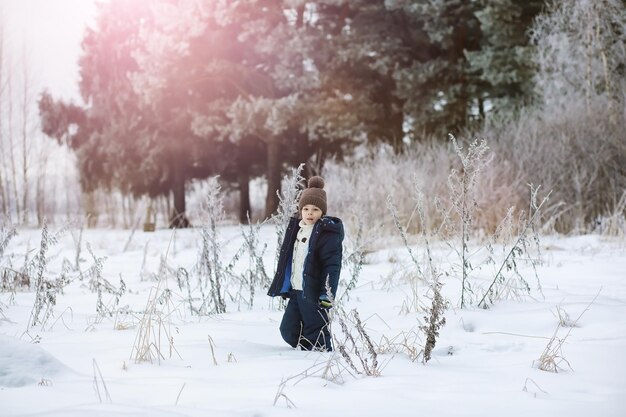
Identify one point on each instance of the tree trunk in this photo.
(397, 127)
(393, 121)
(91, 208)
(3, 163)
(273, 177)
(178, 219)
(244, 197)
(25, 148)
(11, 148)
(300, 16)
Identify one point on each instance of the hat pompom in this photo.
(316, 182)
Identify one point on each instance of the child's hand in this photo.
(325, 302)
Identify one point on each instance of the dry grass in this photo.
(552, 359)
(154, 333)
(406, 342)
(577, 153)
(99, 384)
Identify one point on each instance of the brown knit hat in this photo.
(314, 194)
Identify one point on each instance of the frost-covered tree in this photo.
(120, 141)
(581, 52)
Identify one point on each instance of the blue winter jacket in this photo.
(322, 260)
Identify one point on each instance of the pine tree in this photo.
(120, 140)
(503, 63)
(440, 93)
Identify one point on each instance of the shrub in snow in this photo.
(212, 271)
(435, 319)
(46, 291)
(154, 333)
(458, 210)
(11, 279)
(292, 186)
(100, 285)
(353, 262)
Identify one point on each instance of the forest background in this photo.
(175, 92)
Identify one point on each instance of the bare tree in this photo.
(27, 130)
(9, 130)
(24, 154)
(3, 165)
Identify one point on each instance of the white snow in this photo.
(484, 363)
(24, 364)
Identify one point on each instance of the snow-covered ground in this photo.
(484, 363)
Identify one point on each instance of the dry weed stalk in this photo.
(525, 389)
(281, 394)
(218, 276)
(564, 318)
(209, 265)
(519, 247)
(435, 320)
(404, 342)
(154, 326)
(552, 356)
(464, 201)
(6, 234)
(210, 269)
(46, 291)
(11, 280)
(364, 349)
(331, 369)
(413, 303)
(212, 347)
(287, 204)
(100, 285)
(354, 261)
(255, 274)
(96, 385)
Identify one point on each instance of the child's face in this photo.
(311, 214)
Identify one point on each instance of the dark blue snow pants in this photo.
(305, 324)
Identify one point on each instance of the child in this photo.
(310, 255)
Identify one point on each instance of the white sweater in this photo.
(300, 250)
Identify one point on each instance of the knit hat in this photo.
(314, 194)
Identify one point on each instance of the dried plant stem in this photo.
(515, 248)
(212, 346)
(180, 392)
(97, 373)
(551, 356)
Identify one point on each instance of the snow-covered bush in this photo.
(575, 152)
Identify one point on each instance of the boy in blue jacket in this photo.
(310, 256)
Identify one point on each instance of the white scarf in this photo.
(300, 249)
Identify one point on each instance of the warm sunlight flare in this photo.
(345, 207)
